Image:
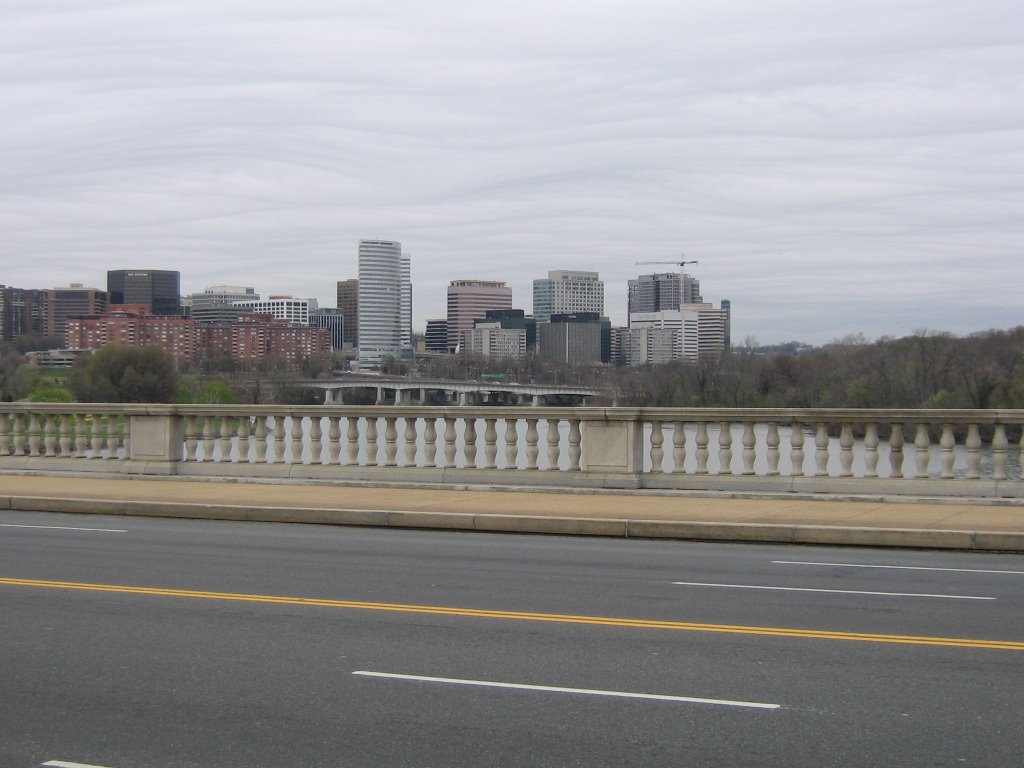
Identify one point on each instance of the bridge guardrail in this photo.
(898, 452)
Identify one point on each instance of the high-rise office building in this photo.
(406, 308)
(469, 300)
(573, 338)
(61, 303)
(348, 305)
(217, 303)
(331, 319)
(436, 336)
(700, 329)
(385, 302)
(665, 290)
(21, 312)
(489, 339)
(280, 308)
(159, 290)
(516, 318)
(566, 292)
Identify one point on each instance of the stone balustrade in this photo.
(891, 452)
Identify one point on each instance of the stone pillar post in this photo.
(157, 443)
(614, 449)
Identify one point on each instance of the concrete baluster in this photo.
(208, 438)
(896, 451)
(999, 446)
(821, 450)
(871, 450)
(19, 434)
(244, 440)
(973, 445)
(575, 445)
(678, 447)
(81, 442)
(796, 449)
(846, 451)
(725, 448)
(34, 437)
(554, 439)
(126, 439)
(702, 447)
(50, 435)
(297, 433)
(409, 440)
(430, 442)
(921, 443)
(96, 435)
(226, 435)
(276, 455)
(316, 440)
(772, 440)
(191, 438)
(113, 440)
(352, 439)
(491, 443)
(657, 452)
(66, 428)
(334, 440)
(5, 434)
(532, 438)
(261, 439)
(511, 444)
(449, 442)
(469, 438)
(391, 441)
(371, 441)
(749, 443)
(947, 442)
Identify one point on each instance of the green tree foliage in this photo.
(124, 374)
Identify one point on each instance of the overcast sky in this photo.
(836, 167)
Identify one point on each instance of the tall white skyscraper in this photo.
(385, 302)
(567, 291)
(406, 301)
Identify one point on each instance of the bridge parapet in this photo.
(888, 452)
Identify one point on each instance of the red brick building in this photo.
(133, 326)
(248, 339)
(252, 337)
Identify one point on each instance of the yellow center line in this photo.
(557, 618)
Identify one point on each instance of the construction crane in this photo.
(679, 264)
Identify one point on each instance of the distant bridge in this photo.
(397, 390)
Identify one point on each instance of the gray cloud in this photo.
(835, 168)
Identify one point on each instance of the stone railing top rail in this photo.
(668, 415)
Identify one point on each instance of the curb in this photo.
(911, 538)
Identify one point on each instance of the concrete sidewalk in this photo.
(946, 523)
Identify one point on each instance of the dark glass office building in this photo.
(158, 289)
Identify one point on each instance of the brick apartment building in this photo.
(248, 339)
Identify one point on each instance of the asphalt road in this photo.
(169, 643)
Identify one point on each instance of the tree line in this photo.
(925, 370)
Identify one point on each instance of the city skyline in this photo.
(835, 170)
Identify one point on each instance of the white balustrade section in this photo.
(948, 452)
